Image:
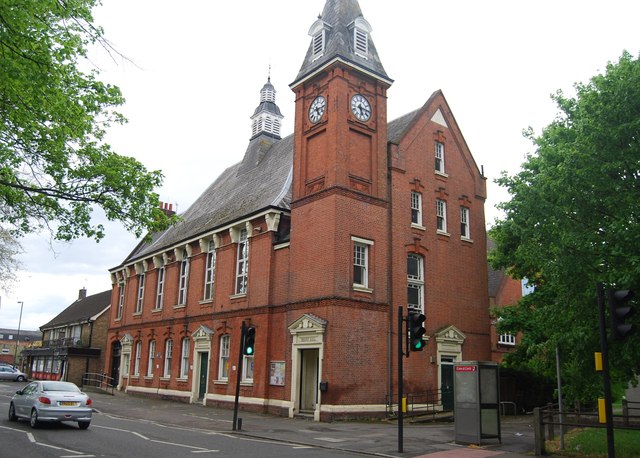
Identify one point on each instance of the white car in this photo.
(51, 401)
(11, 373)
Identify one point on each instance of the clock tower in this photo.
(339, 188)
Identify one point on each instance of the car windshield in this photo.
(59, 386)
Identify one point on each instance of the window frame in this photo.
(160, 288)
(506, 339)
(168, 358)
(140, 298)
(465, 226)
(184, 357)
(136, 358)
(210, 272)
(151, 358)
(441, 216)
(242, 263)
(247, 368)
(120, 310)
(416, 281)
(439, 158)
(183, 279)
(223, 357)
(416, 209)
(361, 262)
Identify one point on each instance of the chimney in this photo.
(167, 208)
(82, 294)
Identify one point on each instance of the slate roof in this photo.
(32, 335)
(261, 181)
(339, 14)
(81, 310)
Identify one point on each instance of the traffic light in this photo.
(416, 330)
(249, 341)
(620, 310)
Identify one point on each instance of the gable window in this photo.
(184, 279)
(210, 271)
(416, 208)
(140, 299)
(160, 290)
(150, 358)
(242, 266)
(136, 361)
(223, 363)
(120, 300)
(440, 157)
(441, 216)
(168, 355)
(184, 358)
(415, 282)
(465, 231)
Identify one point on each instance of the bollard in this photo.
(239, 424)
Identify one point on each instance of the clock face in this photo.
(361, 107)
(317, 108)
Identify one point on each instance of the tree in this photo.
(573, 220)
(55, 167)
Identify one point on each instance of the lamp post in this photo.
(15, 355)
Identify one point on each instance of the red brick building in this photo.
(315, 240)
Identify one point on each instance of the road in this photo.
(109, 436)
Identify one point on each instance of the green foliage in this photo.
(54, 164)
(591, 442)
(572, 221)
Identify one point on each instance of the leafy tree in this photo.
(574, 220)
(55, 167)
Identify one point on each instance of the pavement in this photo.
(374, 438)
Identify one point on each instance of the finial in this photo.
(269, 77)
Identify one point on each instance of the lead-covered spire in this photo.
(341, 33)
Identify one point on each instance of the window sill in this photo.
(137, 314)
(156, 310)
(179, 306)
(446, 234)
(418, 226)
(246, 383)
(165, 378)
(442, 174)
(221, 382)
(238, 296)
(182, 379)
(466, 239)
(206, 301)
(281, 246)
(362, 289)
(148, 377)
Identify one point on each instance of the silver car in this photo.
(11, 373)
(46, 400)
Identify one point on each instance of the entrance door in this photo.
(309, 379)
(115, 363)
(203, 370)
(446, 379)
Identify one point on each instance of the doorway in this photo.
(309, 359)
(446, 382)
(203, 366)
(116, 350)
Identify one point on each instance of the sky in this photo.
(191, 73)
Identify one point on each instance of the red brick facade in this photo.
(323, 299)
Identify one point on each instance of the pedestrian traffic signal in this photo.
(620, 310)
(416, 330)
(249, 341)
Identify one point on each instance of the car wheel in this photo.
(34, 419)
(83, 424)
(12, 412)
(20, 378)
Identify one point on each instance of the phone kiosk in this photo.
(476, 401)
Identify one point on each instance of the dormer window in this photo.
(318, 45)
(361, 31)
(318, 33)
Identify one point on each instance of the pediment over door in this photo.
(126, 339)
(308, 330)
(203, 332)
(450, 334)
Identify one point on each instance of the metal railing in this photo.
(99, 381)
(418, 404)
(66, 342)
(546, 419)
